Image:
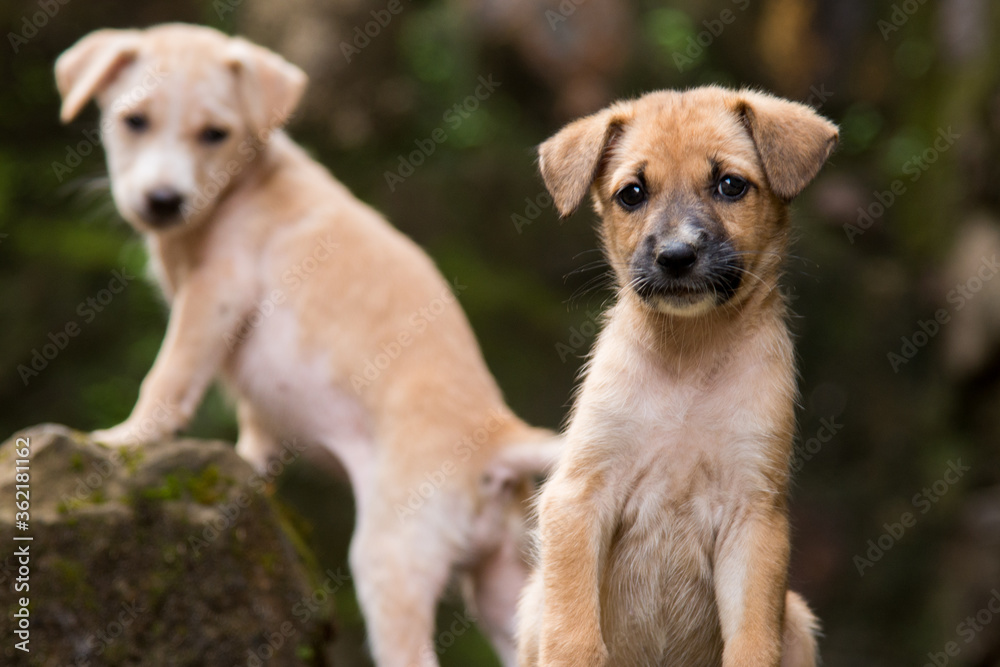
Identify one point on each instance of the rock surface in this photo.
(169, 554)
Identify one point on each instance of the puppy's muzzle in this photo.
(163, 207)
(683, 272)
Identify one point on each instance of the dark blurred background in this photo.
(896, 252)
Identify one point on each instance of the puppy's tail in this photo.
(516, 465)
(535, 456)
(801, 627)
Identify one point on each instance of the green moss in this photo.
(74, 580)
(95, 497)
(132, 459)
(210, 486)
(71, 572)
(296, 529)
(117, 651)
(76, 462)
(156, 590)
(158, 629)
(171, 489)
(268, 561)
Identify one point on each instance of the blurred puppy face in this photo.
(168, 145)
(185, 113)
(691, 189)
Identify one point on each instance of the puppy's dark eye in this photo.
(631, 196)
(213, 135)
(732, 187)
(137, 122)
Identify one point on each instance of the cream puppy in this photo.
(664, 535)
(330, 326)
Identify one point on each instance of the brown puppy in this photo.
(330, 327)
(664, 534)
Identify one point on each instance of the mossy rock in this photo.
(167, 554)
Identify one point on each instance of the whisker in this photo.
(587, 252)
(590, 266)
(771, 253)
(591, 285)
(770, 287)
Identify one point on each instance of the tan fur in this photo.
(663, 532)
(293, 290)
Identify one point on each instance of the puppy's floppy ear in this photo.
(269, 85)
(570, 161)
(793, 140)
(90, 65)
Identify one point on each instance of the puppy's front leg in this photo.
(575, 526)
(750, 584)
(205, 309)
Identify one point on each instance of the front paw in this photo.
(126, 434)
(150, 421)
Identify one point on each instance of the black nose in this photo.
(676, 258)
(164, 203)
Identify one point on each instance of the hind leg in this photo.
(255, 444)
(401, 563)
(496, 583)
(799, 647)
